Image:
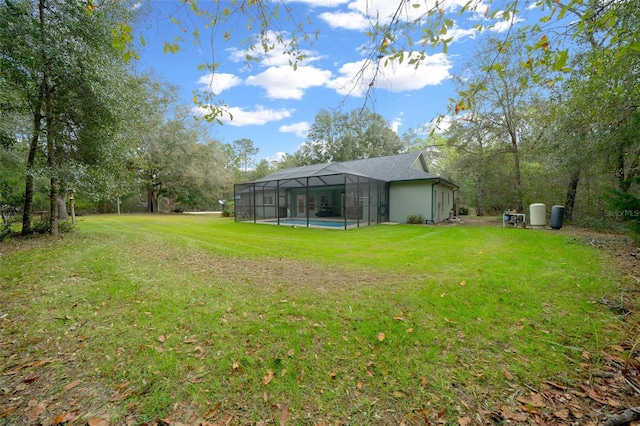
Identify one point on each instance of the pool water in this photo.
(313, 222)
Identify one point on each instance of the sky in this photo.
(274, 105)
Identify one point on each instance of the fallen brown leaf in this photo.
(8, 411)
(556, 385)
(62, 418)
(72, 385)
(97, 421)
(534, 400)
(515, 416)
(562, 414)
(381, 336)
(37, 408)
(464, 421)
(267, 378)
(284, 415)
(30, 379)
(592, 394)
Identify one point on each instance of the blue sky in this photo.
(273, 105)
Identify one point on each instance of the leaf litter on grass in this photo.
(604, 384)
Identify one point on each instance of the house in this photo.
(348, 194)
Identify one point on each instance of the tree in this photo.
(56, 55)
(469, 137)
(499, 108)
(177, 163)
(336, 136)
(244, 151)
(262, 169)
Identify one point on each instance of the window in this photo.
(268, 199)
(312, 203)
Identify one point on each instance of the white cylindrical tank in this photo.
(537, 214)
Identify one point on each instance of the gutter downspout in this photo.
(433, 201)
(455, 210)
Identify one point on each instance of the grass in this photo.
(195, 317)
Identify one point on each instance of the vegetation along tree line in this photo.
(548, 113)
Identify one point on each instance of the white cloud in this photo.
(300, 129)
(440, 124)
(321, 3)
(502, 25)
(357, 76)
(243, 117)
(459, 34)
(274, 57)
(277, 157)
(396, 123)
(218, 82)
(346, 20)
(366, 12)
(283, 82)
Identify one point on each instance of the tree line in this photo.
(540, 116)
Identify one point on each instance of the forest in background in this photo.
(542, 115)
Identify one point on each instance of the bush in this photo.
(463, 211)
(42, 226)
(415, 219)
(65, 226)
(227, 211)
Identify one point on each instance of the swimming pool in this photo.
(313, 222)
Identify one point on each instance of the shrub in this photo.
(227, 211)
(65, 226)
(42, 226)
(415, 219)
(463, 211)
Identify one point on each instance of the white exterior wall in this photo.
(443, 202)
(415, 197)
(409, 198)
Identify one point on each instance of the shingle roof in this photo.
(393, 168)
(313, 170)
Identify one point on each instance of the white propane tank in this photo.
(537, 215)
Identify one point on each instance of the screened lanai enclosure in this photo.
(320, 195)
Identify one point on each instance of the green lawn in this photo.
(197, 317)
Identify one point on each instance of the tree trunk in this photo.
(27, 213)
(152, 201)
(479, 196)
(62, 206)
(623, 183)
(49, 131)
(53, 212)
(516, 166)
(572, 190)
